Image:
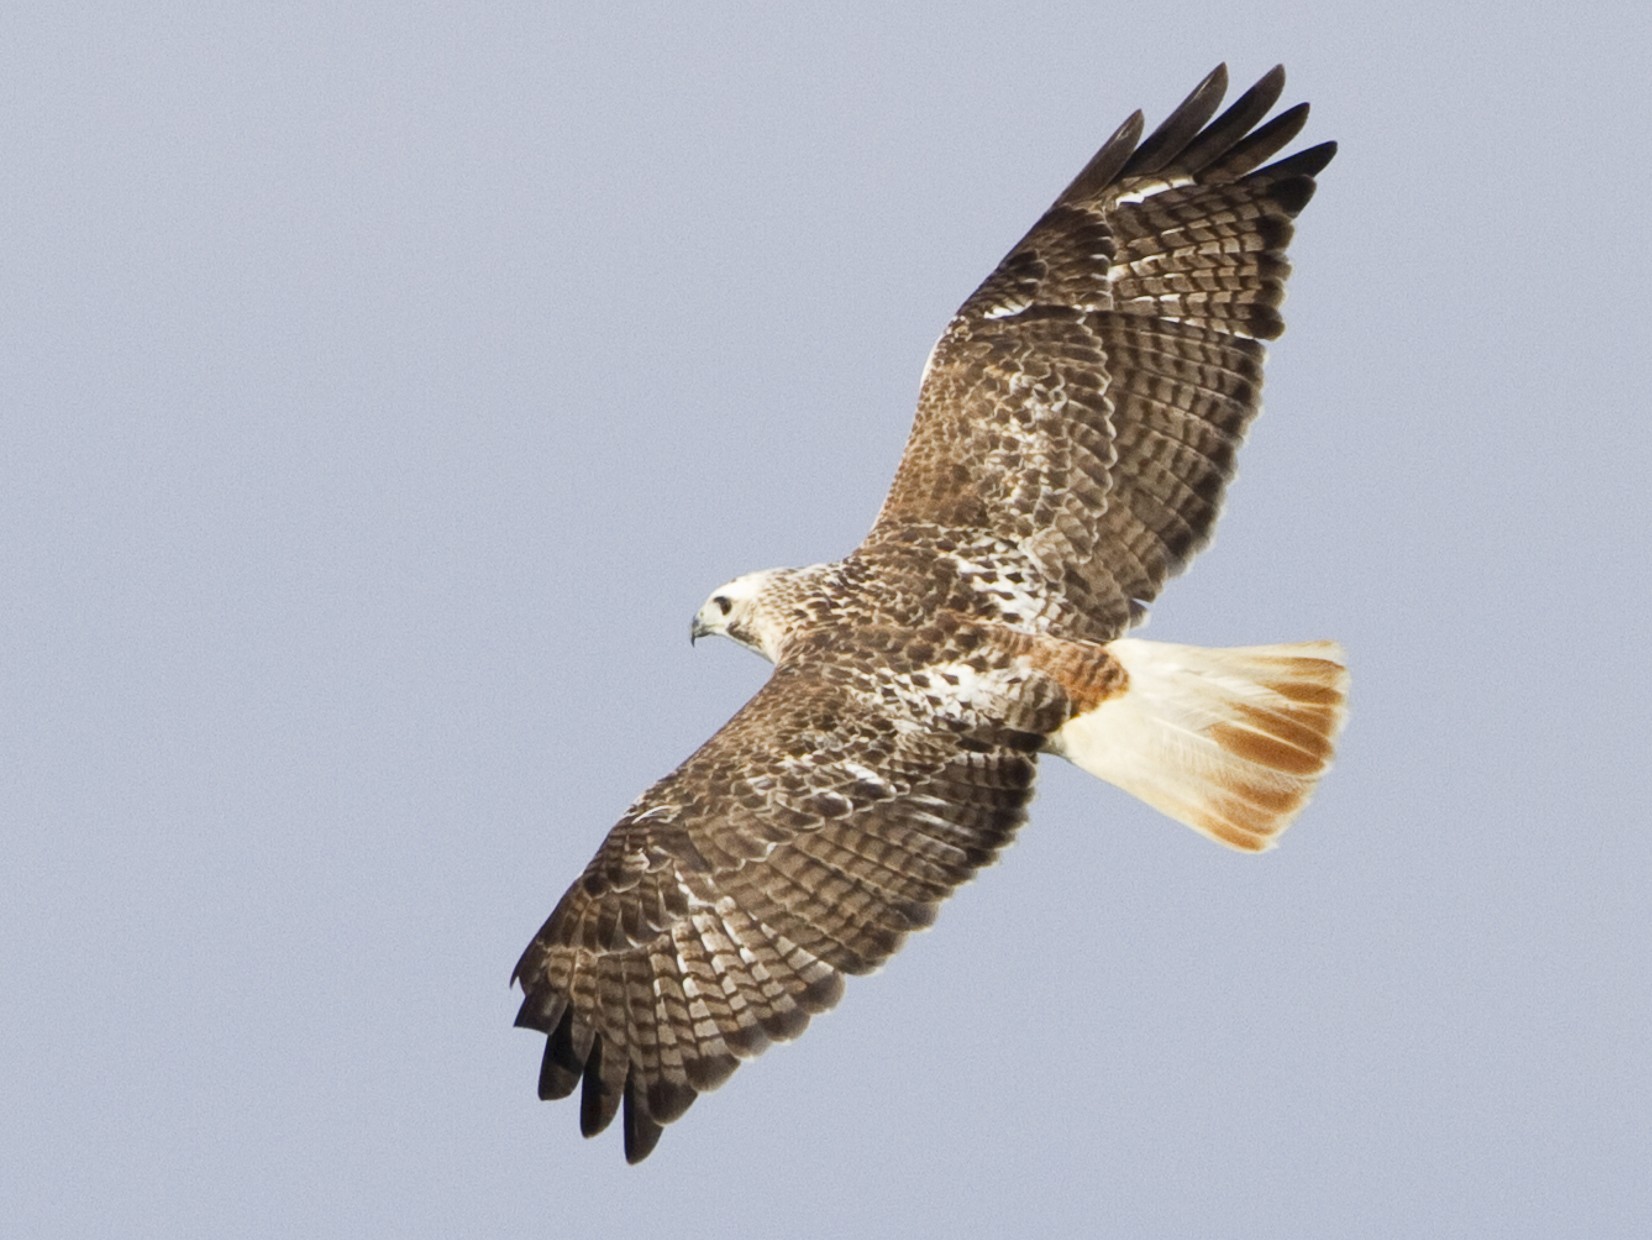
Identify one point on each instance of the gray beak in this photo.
(696, 631)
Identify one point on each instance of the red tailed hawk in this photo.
(1076, 428)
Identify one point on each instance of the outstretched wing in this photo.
(1085, 405)
(824, 822)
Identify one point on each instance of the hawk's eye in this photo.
(723, 605)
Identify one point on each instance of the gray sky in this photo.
(384, 387)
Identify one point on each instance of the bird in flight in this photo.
(1076, 428)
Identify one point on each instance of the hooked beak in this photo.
(697, 630)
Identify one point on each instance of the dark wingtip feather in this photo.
(1178, 129)
(599, 1099)
(1104, 165)
(555, 1079)
(567, 1048)
(1308, 163)
(1293, 193)
(541, 1012)
(1258, 146)
(642, 1134)
(667, 1100)
(1232, 125)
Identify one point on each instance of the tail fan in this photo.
(1229, 741)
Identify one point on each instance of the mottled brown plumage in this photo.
(1076, 429)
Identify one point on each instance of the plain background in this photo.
(383, 387)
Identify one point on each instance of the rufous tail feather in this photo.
(1229, 741)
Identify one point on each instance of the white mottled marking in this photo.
(1142, 193)
(867, 775)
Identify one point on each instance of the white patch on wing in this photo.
(955, 692)
(660, 813)
(1007, 309)
(1019, 602)
(1146, 190)
(867, 776)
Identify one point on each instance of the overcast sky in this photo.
(383, 387)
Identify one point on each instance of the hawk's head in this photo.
(750, 609)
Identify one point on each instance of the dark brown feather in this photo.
(1169, 141)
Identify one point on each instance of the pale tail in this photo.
(1231, 742)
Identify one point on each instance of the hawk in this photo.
(1076, 428)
